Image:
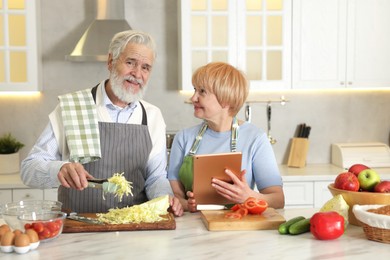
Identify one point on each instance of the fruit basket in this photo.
(376, 227)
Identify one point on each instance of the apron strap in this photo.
(233, 141)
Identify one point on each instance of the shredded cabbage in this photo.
(123, 186)
(148, 212)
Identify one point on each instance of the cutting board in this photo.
(73, 226)
(215, 220)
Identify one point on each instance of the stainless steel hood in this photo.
(93, 45)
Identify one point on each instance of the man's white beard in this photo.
(119, 91)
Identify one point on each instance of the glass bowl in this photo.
(48, 224)
(10, 211)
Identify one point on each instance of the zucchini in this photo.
(283, 228)
(300, 227)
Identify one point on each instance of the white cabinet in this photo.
(26, 194)
(5, 196)
(341, 44)
(306, 194)
(50, 194)
(17, 194)
(321, 193)
(254, 36)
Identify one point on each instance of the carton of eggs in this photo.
(17, 241)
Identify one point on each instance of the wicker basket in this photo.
(376, 227)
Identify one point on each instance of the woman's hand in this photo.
(237, 192)
(191, 203)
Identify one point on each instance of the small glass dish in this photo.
(48, 224)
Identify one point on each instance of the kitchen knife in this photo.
(301, 130)
(92, 221)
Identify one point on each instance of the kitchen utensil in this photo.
(248, 112)
(91, 221)
(215, 220)
(269, 111)
(103, 184)
(75, 226)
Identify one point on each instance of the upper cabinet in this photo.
(252, 35)
(341, 44)
(19, 63)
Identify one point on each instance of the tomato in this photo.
(38, 227)
(255, 206)
(45, 233)
(53, 226)
(233, 215)
(327, 225)
(27, 226)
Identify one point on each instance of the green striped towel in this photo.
(81, 126)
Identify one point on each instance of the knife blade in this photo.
(91, 221)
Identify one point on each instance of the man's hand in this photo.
(73, 175)
(176, 206)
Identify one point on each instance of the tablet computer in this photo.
(208, 166)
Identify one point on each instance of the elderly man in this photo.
(108, 129)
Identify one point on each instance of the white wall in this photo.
(339, 116)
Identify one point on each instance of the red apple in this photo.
(357, 168)
(383, 186)
(347, 181)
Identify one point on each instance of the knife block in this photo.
(298, 152)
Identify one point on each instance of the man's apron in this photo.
(124, 148)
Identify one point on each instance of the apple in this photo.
(357, 168)
(368, 178)
(347, 181)
(383, 186)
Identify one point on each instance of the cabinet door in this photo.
(368, 63)
(50, 194)
(5, 196)
(298, 194)
(319, 43)
(321, 193)
(27, 194)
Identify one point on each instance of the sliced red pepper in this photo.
(233, 215)
(243, 211)
(255, 206)
(236, 207)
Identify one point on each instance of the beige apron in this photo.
(125, 148)
(186, 172)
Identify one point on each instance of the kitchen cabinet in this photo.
(306, 194)
(340, 44)
(254, 36)
(18, 194)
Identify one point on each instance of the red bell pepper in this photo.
(255, 206)
(327, 225)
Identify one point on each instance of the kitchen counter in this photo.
(312, 172)
(191, 240)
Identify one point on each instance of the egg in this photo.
(17, 232)
(33, 235)
(22, 240)
(4, 228)
(8, 239)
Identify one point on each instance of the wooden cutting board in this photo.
(215, 220)
(73, 226)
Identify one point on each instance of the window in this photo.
(19, 64)
(253, 35)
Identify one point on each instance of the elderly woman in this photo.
(220, 90)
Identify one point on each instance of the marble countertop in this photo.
(191, 240)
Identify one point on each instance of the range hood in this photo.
(93, 45)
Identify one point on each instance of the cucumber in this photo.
(300, 227)
(283, 228)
